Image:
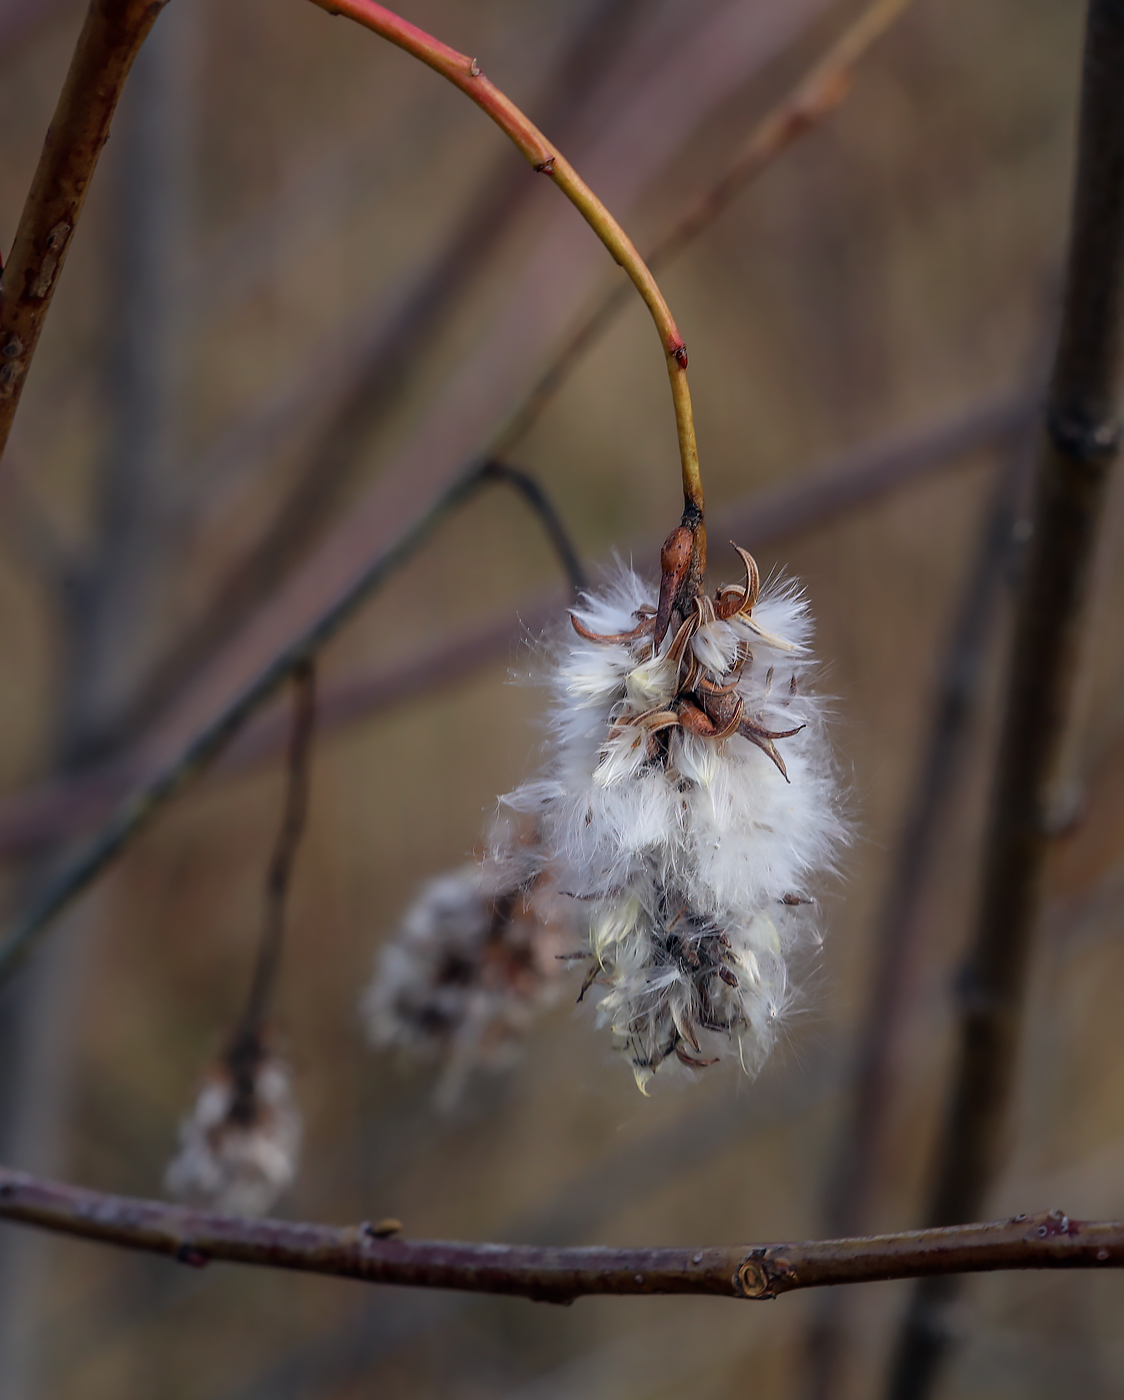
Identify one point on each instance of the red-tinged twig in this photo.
(1081, 444)
(559, 1275)
(110, 39)
(464, 73)
(855, 480)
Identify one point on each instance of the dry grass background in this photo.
(895, 267)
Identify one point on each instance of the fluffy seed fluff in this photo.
(239, 1143)
(475, 958)
(686, 801)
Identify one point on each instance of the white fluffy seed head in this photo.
(233, 1161)
(680, 822)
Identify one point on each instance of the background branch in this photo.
(110, 38)
(1082, 439)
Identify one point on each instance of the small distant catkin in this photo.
(240, 1142)
(475, 958)
(687, 800)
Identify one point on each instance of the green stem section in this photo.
(464, 72)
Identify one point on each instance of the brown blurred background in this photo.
(277, 188)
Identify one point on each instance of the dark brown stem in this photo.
(855, 1176)
(1082, 438)
(110, 39)
(496, 470)
(1046, 1241)
(245, 1049)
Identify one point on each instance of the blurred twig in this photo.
(110, 38)
(1082, 440)
(136, 813)
(246, 1047)
(1045, 1241)
(373, 365)
(496, 470)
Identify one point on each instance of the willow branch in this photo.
(109, 41)
(1081, 444)
(464, 73)
(1046, 1241)
(811, 99)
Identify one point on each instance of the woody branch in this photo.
(1045, 1241)
(110, 39)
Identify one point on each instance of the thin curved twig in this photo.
(293, 817)
(1045, 1241)
(532, 492)
(109, 41)
(464, 73)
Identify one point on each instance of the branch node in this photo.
(545, 167)
(753, 1280)
(474, 69)
(1074, 436)
(679, 354)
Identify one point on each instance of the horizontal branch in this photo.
(110, 39)
(1046, 1241)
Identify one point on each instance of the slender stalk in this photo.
(293, 818)
(1082, 441)
(246, 1051)
(464, 73)
(109, 41)
(1046, 1241)
(138, 811)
